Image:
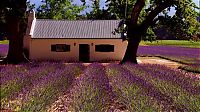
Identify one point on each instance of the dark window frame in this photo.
(60, 48)
(105, 48)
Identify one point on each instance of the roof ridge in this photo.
(49, 28)
(74, 20)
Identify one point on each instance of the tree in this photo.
(13, 21)
(30, 6)
(182, 28)
(59, 9)
(137, 26)
(121, 9)
(97, 13)
(117, 8)
(13, 17)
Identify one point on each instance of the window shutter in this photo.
(53, 47)
(104, 48)
(67, 48)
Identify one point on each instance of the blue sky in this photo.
(102, 3)
(38, 2)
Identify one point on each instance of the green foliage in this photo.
(7, 89)
(184, 23)
(97, 12)
(4, 42)
(14, 8)
(181, 43)
(191, 68)
(96, 6)
(59, 9)
(30, 6)
(150, 35)
(117, 8)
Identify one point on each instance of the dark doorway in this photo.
(84, 52)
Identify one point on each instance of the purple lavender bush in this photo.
(35, 86)
(19, 80)
(50, 87)
(37, 78)
(169, 50)
(188, 56)
(136, 93)
(182, 87)
(191, 68)
(11, 72)
(3, 50)
(92, 91)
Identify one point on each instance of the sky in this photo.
(78, 2)
(102, 4)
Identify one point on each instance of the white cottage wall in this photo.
(40, 49)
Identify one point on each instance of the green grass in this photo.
(194, 69)
(4, 42)
(181, 43)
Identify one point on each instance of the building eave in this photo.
(32, 27)
(76, 38)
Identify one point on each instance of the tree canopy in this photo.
(184, 20)
(59, 9)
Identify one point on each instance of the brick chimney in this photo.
(29, 32)
(31, 19)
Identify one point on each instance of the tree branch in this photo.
(136, 11)
(149, 19)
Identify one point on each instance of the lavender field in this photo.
(181, 54)
(190, 57)
(3, 50)
(55, 86)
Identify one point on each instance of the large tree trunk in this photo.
(134, 36)
(135, 31)
(15, 53)
(15, 23)
(131, 51)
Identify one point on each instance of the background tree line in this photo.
(182, 25)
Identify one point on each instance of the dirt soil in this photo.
(157, 60)
(151, 60)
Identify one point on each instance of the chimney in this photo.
(31, 19)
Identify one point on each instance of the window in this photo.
(60, 48)
(104, 48)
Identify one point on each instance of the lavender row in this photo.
(187, 81)
(14, 72)
(167, 85)
(169, 50)
(50, 88)
(92, 91)
(191, 55)
(21, 83)
(11, 72)
(3, 50)
(36, 76)
(136, 93)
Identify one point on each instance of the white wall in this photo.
(41, 49)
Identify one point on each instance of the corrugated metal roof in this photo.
(45, 28)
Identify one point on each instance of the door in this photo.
(84, 52)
